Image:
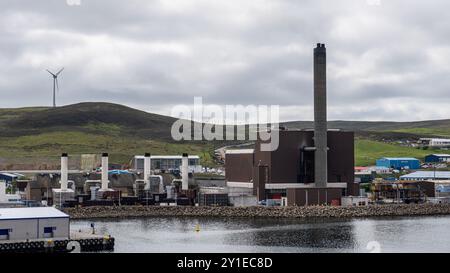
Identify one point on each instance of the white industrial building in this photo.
(435, 142)
(168, 162)
(21, 224)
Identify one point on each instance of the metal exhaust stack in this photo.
(147, 170)
(320, 116)
(3, 198)
(184, 172)
(105, 169)
(64, 172)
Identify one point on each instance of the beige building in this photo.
(21, 224)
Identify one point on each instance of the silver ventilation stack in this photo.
(63, 194)
(3, 198)
(320, 116)
(147, 170)
(185, 172)
(64, 172)
(105, 171)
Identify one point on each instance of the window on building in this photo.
(4, 234)
(177, 163)
(157, 164)
(193, 162)
(48, 232)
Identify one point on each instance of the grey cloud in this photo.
(155, 54)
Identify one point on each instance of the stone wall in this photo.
(285, 212)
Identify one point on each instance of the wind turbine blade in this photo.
(51, 73)
(59, 71)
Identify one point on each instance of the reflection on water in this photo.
(422, 234)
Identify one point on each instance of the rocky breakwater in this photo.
(284, 212)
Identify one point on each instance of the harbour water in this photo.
(408, 234)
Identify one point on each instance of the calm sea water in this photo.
(420, 234)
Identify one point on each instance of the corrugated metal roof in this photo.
(31, 213)
(427, 175)
(399, 158)
(12, 175)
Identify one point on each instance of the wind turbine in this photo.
(55, 84)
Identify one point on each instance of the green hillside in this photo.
(440, 132)
(38, 135)
(94, 118)
(33, 148)
(368, 151)
(379, 126)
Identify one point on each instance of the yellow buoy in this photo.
(197, 228)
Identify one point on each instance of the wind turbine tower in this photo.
(55, 83)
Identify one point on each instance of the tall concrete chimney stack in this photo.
(320, 116)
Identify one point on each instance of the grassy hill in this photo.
(29, 136)
(430, 127)
(380, 139)
(93, 118)
(34, 136)
(368, 151)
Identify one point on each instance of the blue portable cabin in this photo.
(437, 158)
(399, 163)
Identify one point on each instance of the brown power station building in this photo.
(310, 167)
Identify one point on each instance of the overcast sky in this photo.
(387, 60)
